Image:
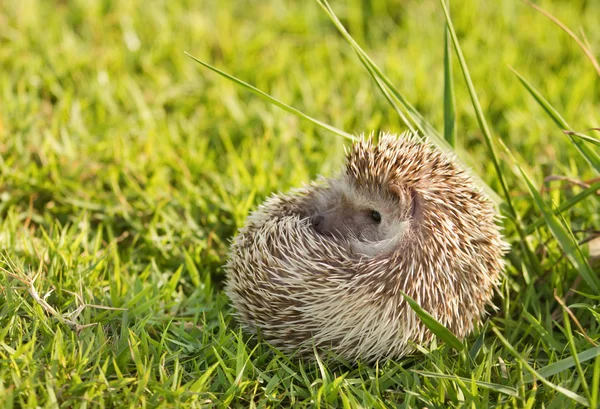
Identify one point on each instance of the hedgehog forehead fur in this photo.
(407, 163)
(300, 288)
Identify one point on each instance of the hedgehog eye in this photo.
(375, 216)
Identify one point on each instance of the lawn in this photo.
(126, 167)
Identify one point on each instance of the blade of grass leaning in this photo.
(449, 101)
(414, 119)
(560, 231)
(511, 213)
(273, 100)
(566, 205)
(585, 137)
(584, 149)
(588, 53)
(385, 91)
(569, 394)
(503, 389)
(564, 364)
(550, 341)
(198, 385)
(418, 121)
(434, 325)
(477, 107)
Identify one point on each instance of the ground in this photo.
(126, 167)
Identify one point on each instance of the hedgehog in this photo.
(325, 266)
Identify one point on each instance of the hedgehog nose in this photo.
(316, 222)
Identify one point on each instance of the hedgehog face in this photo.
(370, 221)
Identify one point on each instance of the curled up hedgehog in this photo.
(325, 265)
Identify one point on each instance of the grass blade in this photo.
(505, 390)
(449, 101)
(561, 233)
(569, 394)
(200, 383)
(478, 111)
(434, 325)
(385, 91)
(550, 110)
(595, 382)
(590, 156)
(584, 137)
(552, 343)
(566, 205)
(564, 364)
(273, 100)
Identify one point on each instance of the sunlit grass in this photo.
(126, 167)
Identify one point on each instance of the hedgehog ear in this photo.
(397, 190)
(409, 196)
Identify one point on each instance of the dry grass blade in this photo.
(586, 50)
(29, 284)
(67, 319)
(574, 318)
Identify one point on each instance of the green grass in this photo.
(126, 167)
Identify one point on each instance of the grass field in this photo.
(126, 167)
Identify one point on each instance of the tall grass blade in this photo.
(547, 337)
(449, 101)
(273, 100)
(585, 137)
(508, 208)
(417, 120)
(595, 382)
(590, 155)
(386, 92)
(574, 354)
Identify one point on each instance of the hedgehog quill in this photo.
(326, 264)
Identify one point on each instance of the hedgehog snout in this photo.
(329, 223)
(317, 223)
